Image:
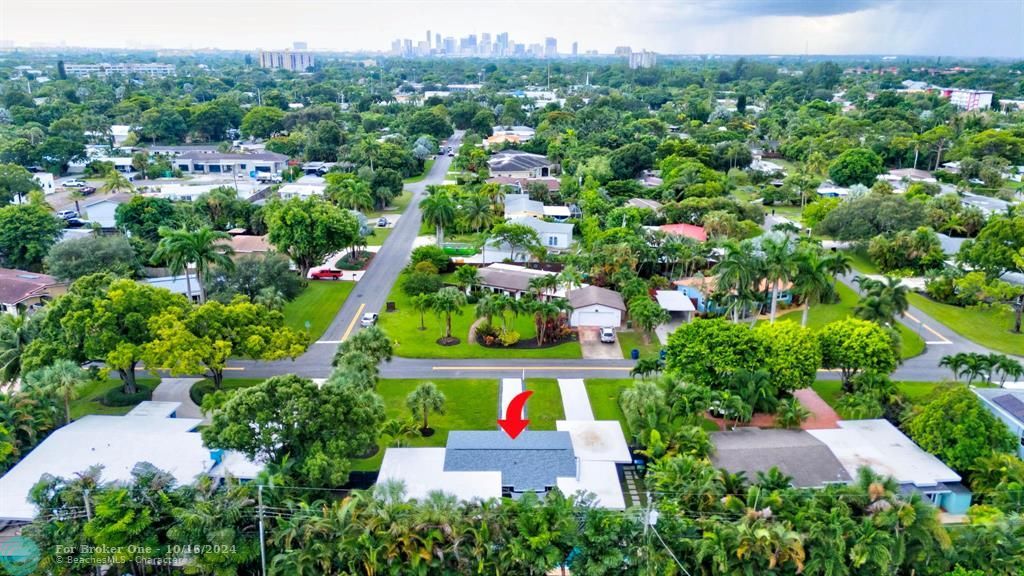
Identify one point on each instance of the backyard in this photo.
(318, 304)
(916, 393)
(822, 314)
(403, 326)
(989, 327)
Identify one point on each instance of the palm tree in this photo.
(398, 429)
(838, 263)
(543, 285)
(545, 311)
(882, 300)
(1006, 367)
(812, 281)
(63, 377)
(447, 301)
(466, 277)
(16, 332)
(353, 194)
(736, 272)
(202, 248)
(439, 211)
(426, 398)
(779, 265)
(421, 303)
(791, 413)
(477, 211)
(955, 362)
(570, 277)
(115, 182)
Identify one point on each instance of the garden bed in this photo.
(354, 261)
(529, 344)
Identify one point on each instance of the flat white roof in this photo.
(422, 472)
(117, 443)
(880, 446)
(597, 440)
(598, 478)
(154, 409)
(674, 301)
(557, 211)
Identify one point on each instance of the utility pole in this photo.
(263, 545)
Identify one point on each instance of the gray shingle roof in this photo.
(591, 295)
(794, 452)
(533, 461)
(517, 161)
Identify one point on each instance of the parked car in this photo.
(74, 183)
(382, 223)
(86, 190)
(451, 154)
(327, 274)
(368, 319)
(67, 214)
(75, 223)
(608, 335)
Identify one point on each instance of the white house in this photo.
(221, 163)
(595, 306)
(304, 188)
(555, 236)
(179, 285)
(150, 433)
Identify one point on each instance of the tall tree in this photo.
(439, 211)
(64, 377)
(202, 249)
(309, 231)
(27, 232)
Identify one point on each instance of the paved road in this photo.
(370, 292)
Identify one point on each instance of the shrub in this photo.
(485, 330)
(421, 283)
(509, 338)
(432, 254)
(116, 396)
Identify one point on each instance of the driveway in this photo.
(594, 349)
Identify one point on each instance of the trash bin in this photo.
(634, 354)
(390, 306)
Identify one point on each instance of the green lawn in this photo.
(378, 236)
(403, 326)
(630, 340)
(318, 303)
(604, 399)
(469, 405)
(822, 314)
(862, 262)
(427, 165)
(397, 206)
(545, 405)
(914, 392)
(91, 393)
(794, 213)
(989, 327)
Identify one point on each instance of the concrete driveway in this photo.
(594, 349)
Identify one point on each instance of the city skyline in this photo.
(986, 28)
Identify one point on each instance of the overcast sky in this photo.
(925, 27)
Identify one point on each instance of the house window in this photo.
(1021, 438)
(241, 166)
(552, 241)
(183, 167)
(214, 168)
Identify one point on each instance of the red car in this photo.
(327, 274)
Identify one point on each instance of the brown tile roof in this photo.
(19, 285)
(245, 244)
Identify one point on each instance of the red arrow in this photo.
(513, 424)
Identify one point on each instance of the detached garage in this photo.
(595, 307)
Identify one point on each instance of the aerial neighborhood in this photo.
(473, 306)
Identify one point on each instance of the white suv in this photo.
(368, 319)
(608, 335)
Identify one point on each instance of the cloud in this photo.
(805, 8)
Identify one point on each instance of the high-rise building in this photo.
(285, 60)
(623, 51)
(407, 47)
(642, 59)
(437, 41)
(300, 46)
(575, 48)
(550, 47)
(501, 45)
(485, 48)
(396, 47)
(449, 45)
(428, 39)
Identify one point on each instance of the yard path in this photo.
(575, 402)
(510, 388)
(177, 390)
